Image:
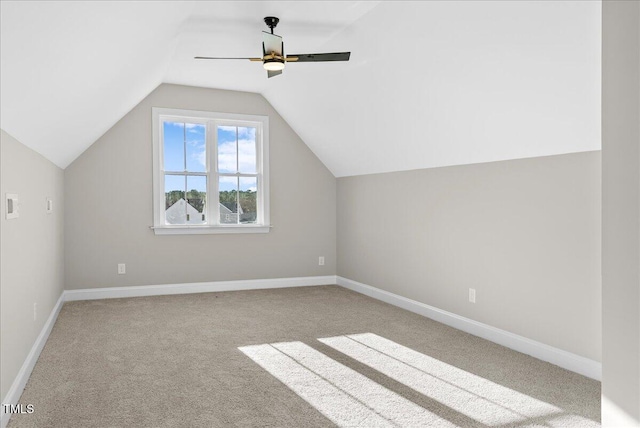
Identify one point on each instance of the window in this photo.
(210, 172)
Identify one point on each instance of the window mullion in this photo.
(201, 174)
(160, 204)
(186, 202)
(184, 147)
(184, 156)
(237, 200)
(237, 152)
(213, 169)
(231, 174)
(260, 171)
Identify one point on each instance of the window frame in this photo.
(211, 120)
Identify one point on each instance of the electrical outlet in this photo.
(122, 269)
(35, 311)
(321, 261)
(472, 295)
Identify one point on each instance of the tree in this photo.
(248, 201)
(172, 197)
(197, 199)
(229, 198)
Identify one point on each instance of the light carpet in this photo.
(290, 357)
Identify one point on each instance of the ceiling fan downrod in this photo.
(271, 22)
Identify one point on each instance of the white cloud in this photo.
(227, 162)
(227, 157)
(197, 151)
(192, 128)
(247, 133)
(187, 125)
(201, 157)
(246, 156)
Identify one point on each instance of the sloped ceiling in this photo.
(429, 83)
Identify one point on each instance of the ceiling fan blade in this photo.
(271, 74)
(271, 43)
(335, 56)
(216, 57)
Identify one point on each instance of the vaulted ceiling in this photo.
(429, 83)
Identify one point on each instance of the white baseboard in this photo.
(564, 359)
(14, 393)
(195, 287)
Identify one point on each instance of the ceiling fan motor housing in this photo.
(271, 22)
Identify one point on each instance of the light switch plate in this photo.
(49, 206)
(12, 206)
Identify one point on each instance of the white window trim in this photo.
(262, 225)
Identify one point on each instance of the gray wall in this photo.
(108, 201)
(524, 233)
(31, 253)
(621, 213)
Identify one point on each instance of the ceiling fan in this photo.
(273, 57)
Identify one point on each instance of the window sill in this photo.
(208, 230)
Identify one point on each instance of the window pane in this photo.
(227, 149)
(175, 204)
(173, 146)
(247, 150)
(228, 200)
(195, 143)
(248, 197)
(196, 199)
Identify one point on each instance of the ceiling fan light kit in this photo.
(273, 57)
(273, 65)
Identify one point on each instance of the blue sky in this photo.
(174, 138)
(233, 154)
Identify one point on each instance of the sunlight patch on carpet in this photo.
(466, 393)
(388, 404)
(346, 397)
(350, 399)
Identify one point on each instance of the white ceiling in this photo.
(429, 83)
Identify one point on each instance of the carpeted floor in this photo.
(174, 361)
